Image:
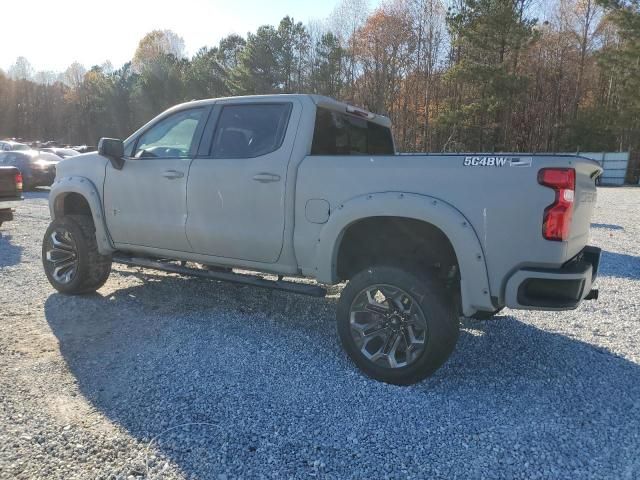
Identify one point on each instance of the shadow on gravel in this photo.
(608, 226)
(38, 192)
(10, 253)
(250, 382)
(619, 265)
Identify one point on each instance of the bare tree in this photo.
(156, 43)
(74, 75)
(582, 19)
(345, 20)
(21, 70)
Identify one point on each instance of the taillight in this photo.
(18, 181)
(557, 216)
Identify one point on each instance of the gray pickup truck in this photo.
(305, 186)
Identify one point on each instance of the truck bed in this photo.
(504, 204)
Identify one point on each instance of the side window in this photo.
(341, 134)
(171, 137)
(248, 131)
(7, 158)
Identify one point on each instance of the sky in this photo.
(52, 34)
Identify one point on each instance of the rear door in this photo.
(236, 187)
(145, 202)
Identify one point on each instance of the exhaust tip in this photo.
(592, 295)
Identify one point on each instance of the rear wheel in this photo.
(70, 256)
(397, 326)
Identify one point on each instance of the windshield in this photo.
(170, 137)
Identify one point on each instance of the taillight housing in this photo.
(18, 181)
(556, 221)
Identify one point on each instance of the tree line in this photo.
(469, 75)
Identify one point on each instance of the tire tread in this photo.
(94, 271)
(443, 322)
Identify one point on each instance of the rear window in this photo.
(341, 134)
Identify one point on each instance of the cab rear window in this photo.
(341, 134)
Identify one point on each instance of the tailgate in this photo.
(8, 188)
(584, 202)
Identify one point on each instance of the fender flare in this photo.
(85, 187)
(474, 279)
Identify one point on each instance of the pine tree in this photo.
(623, 63)
(488, 36)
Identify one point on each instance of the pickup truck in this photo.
(10, 192)
(305, 186)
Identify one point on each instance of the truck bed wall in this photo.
(504, 205)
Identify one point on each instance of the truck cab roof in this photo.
(317, 100)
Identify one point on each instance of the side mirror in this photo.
(113, 149)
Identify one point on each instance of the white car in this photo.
(9, 145)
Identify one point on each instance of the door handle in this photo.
(171, 174)
(266, 177)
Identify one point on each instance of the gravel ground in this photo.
(159, 376)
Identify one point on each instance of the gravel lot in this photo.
(159, 376)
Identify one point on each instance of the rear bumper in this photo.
(554, 289)
(7, 203)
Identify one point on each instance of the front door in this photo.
(236, 190)
(145, 202)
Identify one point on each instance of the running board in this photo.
(301, 288)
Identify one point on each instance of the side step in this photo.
(301, 288)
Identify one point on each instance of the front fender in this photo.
(86, 188)
(474, 282)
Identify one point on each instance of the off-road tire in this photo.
(439, 311)
(92, 269)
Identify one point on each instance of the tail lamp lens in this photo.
(18, 181)
(556, 222)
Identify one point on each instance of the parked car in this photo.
(10, 191)
(302, 185)
(38, 169)
(61, 152)
(10, 145)
(85, 148)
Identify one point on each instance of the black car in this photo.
(37, 168)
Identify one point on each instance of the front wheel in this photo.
(70, 255)
(397, 326)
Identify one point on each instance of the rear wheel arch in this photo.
(437, 215)
(393, 239)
